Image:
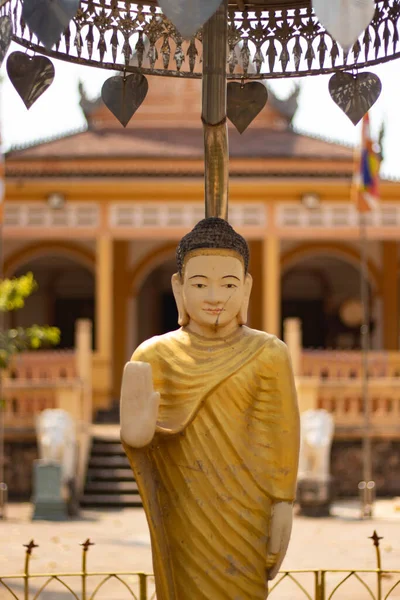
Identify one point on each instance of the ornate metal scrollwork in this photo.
(285, 42)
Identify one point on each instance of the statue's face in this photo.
(213, 291)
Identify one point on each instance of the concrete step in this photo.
(108, 461)
(110, 448)
(106, 433)
(111, 500)
(109, 479)
(110, 474)
(113, 487)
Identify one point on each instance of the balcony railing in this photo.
(43, 366)
(347, 364)
(333, 381)
(33, 383)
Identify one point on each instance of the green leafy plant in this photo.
(13, 293)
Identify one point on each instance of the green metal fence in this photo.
(317, 584)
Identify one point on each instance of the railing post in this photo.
(321, 591)
(142, 586)
(29, 547)
(379, 585)
(316, 585)
(86, 545)
(376, 539)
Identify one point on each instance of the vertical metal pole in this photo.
(322, 586)
(142, 586)
(379, 573)
(84, 570)
(216, 153)
(317, 586)
(26, 569)
(366, 508)
(3, 485)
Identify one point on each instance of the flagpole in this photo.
(365, 187)
(3, 485)
(367, 485)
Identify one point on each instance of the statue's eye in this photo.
(230, 285)
(199, 285)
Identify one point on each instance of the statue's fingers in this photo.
(275, 539)
(140, 377)
(147, 378)
(156, 398)
(132, 375)
(273, 571)
(271, 560)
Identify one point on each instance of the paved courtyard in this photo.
(122, 544)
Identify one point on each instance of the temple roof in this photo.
(181, 143)
(168, 126)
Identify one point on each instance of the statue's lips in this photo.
(215, 311)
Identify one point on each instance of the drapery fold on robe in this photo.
(225, 449)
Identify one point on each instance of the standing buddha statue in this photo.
(210, 424)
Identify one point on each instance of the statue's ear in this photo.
(248, 284)
(183, 317)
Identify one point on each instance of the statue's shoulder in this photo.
(148, 349)
(272, 346)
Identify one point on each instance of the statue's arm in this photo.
(287, 452)
(139, 405)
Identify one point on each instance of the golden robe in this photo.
(225, 448)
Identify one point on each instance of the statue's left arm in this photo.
(286, 444)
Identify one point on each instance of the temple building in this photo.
(96, 215)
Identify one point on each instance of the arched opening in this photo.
(66, 292)
(156, 309)
(324, 292)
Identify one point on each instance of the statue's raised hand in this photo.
(139, 404)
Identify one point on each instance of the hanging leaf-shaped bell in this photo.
(30, 75)
(124, 95)
(188, 15)
(244, 102)
(355, 94)
(5, 36)
(48, 19)
(345, 20)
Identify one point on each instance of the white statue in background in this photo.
(55, 429)
(317, 428)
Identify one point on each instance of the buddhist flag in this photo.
(366, 176)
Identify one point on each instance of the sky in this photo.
(57, 111)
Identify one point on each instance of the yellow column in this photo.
(293, 339)
(102, 377)
(271, 285)
(256, 270)
(84, 366)
(390, 296)
(120, 323)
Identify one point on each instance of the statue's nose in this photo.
(212, 295)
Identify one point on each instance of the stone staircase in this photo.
(109, 481)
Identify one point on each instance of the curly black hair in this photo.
(212, 232)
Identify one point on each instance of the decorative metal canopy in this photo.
(208, 39)
(280, 38)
